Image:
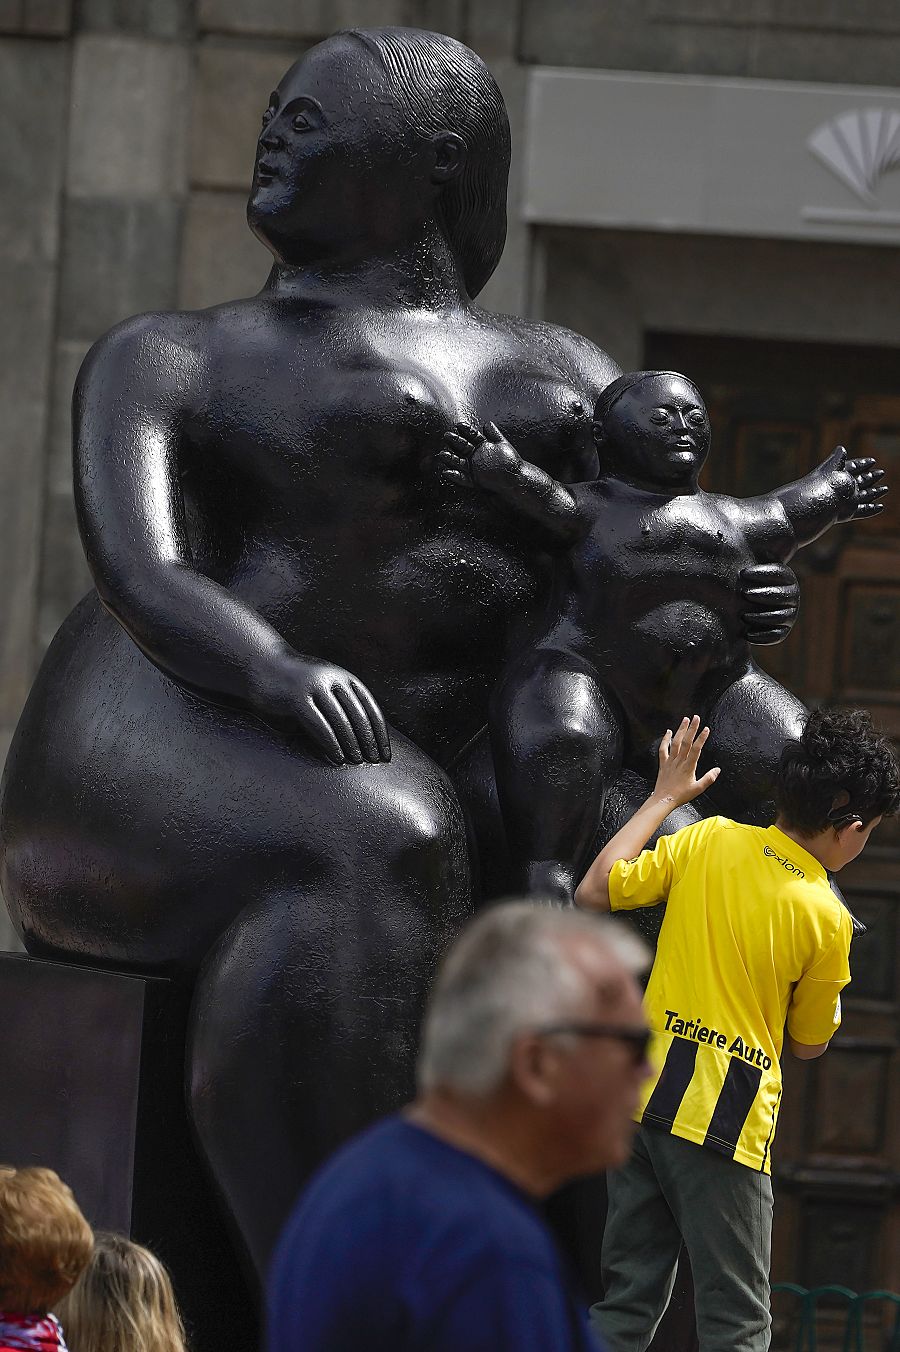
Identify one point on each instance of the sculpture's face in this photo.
(339, 173)
(657, 434)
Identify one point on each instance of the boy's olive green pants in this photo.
(672, 1191)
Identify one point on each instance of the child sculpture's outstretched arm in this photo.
(840, 489)
(486, 460)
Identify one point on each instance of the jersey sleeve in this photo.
(814, 1013)
(648, 879)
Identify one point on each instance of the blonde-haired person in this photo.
(123, 1302)
(45, 1243)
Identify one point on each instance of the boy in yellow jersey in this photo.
(753, 938)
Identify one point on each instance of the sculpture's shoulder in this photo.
(149, 354)
(585, 364)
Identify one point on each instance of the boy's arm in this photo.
(486, 460)
(676, 783)
(814, 1012)
(839, 489)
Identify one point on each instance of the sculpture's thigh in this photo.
(557, 738)
(749, 727)
(306, 1014)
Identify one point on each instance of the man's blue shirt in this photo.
(403, 1243)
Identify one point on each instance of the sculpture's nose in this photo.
(270, 140)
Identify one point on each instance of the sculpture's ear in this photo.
(449, 156)
(599, 434)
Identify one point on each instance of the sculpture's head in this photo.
(372, 133)
(651, 428)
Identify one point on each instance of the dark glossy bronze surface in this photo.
(255, 759)
(648, 618)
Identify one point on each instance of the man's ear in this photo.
(531, 1067)
(449, 157)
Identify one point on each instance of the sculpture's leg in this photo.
(306, 1013)
(749, 727)
(557, 738)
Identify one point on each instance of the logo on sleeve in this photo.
(783, 860)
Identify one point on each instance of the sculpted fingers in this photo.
(375, 717)
(359, 721)
(468, 433)
(333, 712)
(317, 727)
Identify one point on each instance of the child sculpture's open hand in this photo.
(478, 459)
(678, 756)
(856, 483)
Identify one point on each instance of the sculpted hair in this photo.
(44, 1240)
(123, 1302)
(508, 971)
(841, 759)
(443, 86)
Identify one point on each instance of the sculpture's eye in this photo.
(300, 122)
(696, 417)
(659, 415)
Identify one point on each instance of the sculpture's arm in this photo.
(486, 460)
(134, 393)
(839, 489)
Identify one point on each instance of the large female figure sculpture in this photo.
(236, 751)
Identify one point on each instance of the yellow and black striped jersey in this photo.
(752, 936)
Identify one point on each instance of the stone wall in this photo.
(128, 139)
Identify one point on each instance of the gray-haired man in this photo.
(424, 1232)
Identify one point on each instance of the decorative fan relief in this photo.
(858, 147)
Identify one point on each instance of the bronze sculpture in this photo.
(258, 748)
(645, 618)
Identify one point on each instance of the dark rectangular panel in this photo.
(873, 960)
(870, 648)
(840, 1245)
(849, 1117)
(70, 1059)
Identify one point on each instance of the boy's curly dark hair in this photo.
(840, 753)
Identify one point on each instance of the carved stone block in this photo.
(119, 258)
(129, 113)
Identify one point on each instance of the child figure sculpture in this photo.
(646, 618)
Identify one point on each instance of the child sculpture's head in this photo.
(836, 783)
(45, 1241)
(651, 429)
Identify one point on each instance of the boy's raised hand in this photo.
(678, 756)
(477, 459)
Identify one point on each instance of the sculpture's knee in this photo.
(425, 839)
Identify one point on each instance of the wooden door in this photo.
(777, 410)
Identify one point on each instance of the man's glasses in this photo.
(637, 1039)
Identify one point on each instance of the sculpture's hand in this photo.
(856, 484)
(478, 459)
(329, 706)
(772, 596)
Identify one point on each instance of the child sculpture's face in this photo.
(657, 435)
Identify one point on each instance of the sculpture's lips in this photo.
(684, 444)
(265, 172)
